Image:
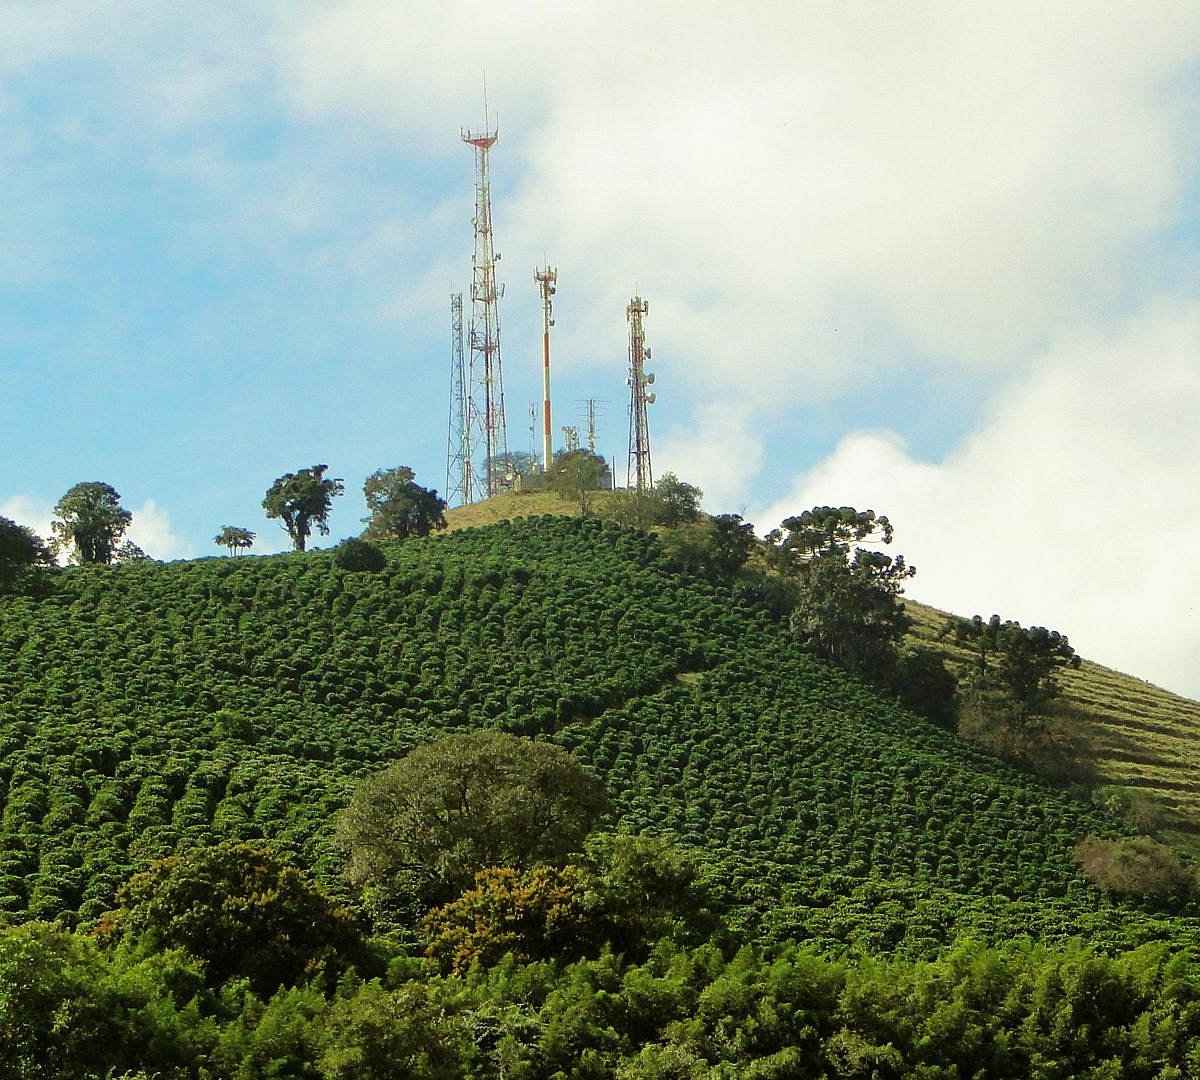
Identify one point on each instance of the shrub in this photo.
(359, 555)
(1133, 866)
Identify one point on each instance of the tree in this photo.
(302, 499)
(828, 530)
(848, 610)
(418, 831)
(128, 552)
(400, 507)
(239, 911)
(235, 539)
(356, 554)
(577, 475)
(20, 549)
(676, 502)
(90, 522)
(1021, 662)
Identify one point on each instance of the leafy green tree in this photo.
(577, 475)
(235, 539)
(420, 830)
(675, 501)
(89, 523)
(400, 507)
(21, 549)
(301, 500)
(848, 611)
(237, 910)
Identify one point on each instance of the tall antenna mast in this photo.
(639, 473)
(547, 279)
(488, 434)
(459, 478)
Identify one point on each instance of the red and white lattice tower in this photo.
(487, 435)
(639, 474)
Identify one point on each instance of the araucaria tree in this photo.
(235, 539)
(89, 523)
(400, 507)
(301, 500)
(848, 609)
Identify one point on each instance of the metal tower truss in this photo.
(547, 281)
(459, 478)
(487, 434)
(639, 473)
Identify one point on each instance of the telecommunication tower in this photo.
(487, 433)
(547, 280)
(639, 474)
(459, 478)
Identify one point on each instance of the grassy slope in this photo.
(1134, 736)
(152, 706)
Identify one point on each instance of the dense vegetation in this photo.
(149, 711)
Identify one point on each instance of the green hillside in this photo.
(148, 708)
(1136, 738)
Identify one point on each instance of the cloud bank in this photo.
(1071, 507)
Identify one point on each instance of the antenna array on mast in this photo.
(639, 472)
(487, 436)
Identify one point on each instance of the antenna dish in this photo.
(649, 377)
(651, 398)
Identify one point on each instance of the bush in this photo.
(359, 555)
(1133, 866)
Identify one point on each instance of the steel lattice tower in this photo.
(639, 473)
(486, 432)
(459, 478)
(547, 281)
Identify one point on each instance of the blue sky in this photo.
(927, 257)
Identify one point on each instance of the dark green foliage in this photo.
(1018, 661)
(301, 500)
(922, 682)
(400, 507)
(828, 530)
(716, 547)
(21, 550)
(154, 708)
(239, 912)
(465, 802)
(234, 538)
(848, 611)
(90, 522)
(359, 555)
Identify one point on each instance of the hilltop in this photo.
(147, 708)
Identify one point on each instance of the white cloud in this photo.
(28, 512)
(151, 530)
(1071, 507)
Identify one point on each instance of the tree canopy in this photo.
(577, 475)
(1020, 661)
(301, 500)
(400, 507)
(20, 549)
(235, 539)
(236, 909)
(426, 824)
(826, 530)
(89, 523)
